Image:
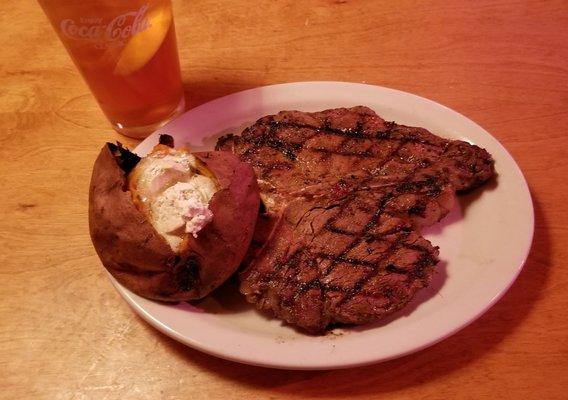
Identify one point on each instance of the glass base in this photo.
(141, 132)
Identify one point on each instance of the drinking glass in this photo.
(126, 51)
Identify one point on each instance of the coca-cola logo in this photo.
(118, 29)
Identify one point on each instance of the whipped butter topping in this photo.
(184, 205)
(174, 194)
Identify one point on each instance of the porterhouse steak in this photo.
(345, 194)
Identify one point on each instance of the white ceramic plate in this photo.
(484, 242)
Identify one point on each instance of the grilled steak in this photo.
(345, 193)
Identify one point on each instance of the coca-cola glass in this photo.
(126, 51)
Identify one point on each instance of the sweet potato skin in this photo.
(139, 257)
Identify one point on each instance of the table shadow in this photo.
(203, 91)
(427, 365)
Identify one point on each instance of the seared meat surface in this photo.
(345, 194)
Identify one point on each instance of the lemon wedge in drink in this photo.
(141, 47)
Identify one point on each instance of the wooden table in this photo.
(66, 334)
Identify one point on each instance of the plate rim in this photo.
(169, 331)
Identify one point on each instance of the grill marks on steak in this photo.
(345, 192)
(351, 260)
(293, 150)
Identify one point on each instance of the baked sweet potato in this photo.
(139, 257)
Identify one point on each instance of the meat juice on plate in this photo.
(126, 51)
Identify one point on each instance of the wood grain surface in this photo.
(66, 334)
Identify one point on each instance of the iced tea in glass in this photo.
(126, 51)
